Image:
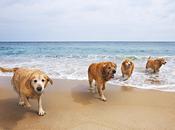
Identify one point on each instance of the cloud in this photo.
(87, 20)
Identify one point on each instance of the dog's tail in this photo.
(8, 69)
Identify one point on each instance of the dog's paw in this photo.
(103, 98)
(21, 103)
(41, 112)
(125, 77)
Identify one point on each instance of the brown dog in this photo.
(153, 65)
(101, 73)
(127, 68)
(29, 84)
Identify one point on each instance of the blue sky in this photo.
(72, 20)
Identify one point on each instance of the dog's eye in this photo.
(42, 80)
(35, 81)
(109, 67)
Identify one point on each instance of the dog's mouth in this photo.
(113, 73)
(112, 76)
(40, 91)
(109, 75)
(128, 66)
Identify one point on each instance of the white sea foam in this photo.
(75, 67)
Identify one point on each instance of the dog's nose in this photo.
(114, 71)
(39, 88)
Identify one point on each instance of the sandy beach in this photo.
(70, 106)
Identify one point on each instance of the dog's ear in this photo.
(49, 79)
(115, 65)
(124, 63)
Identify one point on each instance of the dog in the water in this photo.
(101, 72)
(153, 65)
(127, 68)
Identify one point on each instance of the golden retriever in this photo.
(29, 83)
(153, 65)
(127, 68)
(101, 73)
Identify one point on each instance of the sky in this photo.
(87, 20)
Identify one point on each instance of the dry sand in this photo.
(70, 106)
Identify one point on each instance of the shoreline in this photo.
(69, 105)
(108, 84)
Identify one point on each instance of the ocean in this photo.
(70, 60)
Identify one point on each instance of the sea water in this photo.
(70, 60)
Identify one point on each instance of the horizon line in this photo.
(41, 41)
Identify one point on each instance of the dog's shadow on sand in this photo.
(80, 94)
(11, 113)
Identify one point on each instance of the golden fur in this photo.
(25, 84)
(154, 65)
(101, 73)
(127, 68)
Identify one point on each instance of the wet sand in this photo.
(70, 106)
